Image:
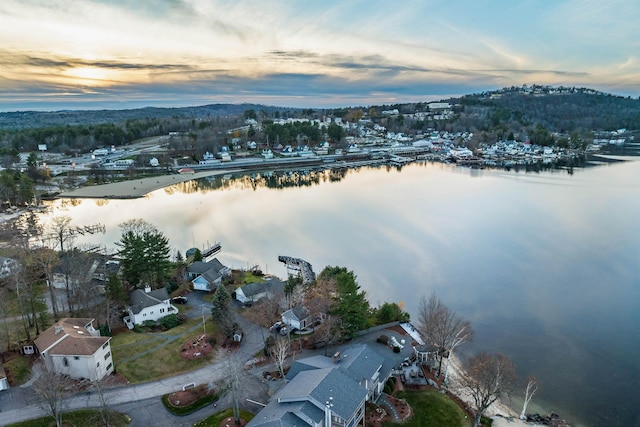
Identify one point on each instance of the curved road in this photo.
(140, 401)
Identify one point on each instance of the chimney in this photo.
(57, 329)
(147, 288)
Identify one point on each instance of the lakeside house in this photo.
(148, 305)
(253, 292)
(73, 347)
(328, 391)
(206, 276)
(297, 317)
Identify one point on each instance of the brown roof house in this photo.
(74, 347)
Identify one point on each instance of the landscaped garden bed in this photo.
(185, 402)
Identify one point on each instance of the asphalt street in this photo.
(141, 401)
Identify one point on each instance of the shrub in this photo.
(105, 331)
(208, 399)
(168, 322)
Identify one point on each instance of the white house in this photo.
(206, 276)
(8, 266)
(297, 317)
(4, 381)
(254, 292)
(73, 347)
(148, 305)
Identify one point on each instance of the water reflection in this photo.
(543, 264)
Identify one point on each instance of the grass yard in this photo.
(216, 419)
(132, 352)
(20, 368)
(85, 417)
(249, 277)
(432, 409)
(10, 305)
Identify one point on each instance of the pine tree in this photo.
(221, 311)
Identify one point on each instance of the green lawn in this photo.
(249, 277)
(215, 419)
(20, 369)
(432, 409)
(85, 417)
(133, 352)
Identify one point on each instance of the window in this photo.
(109, 366)
(65, 362)
(98, 365)
(162, 310)
(106, 356)
(76, 357)
(104, 347)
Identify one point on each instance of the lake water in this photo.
(545, 265)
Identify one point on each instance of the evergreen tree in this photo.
(351, 305)
(145, 254)
(221, 310)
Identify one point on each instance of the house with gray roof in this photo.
(254, 292)
(360, 361)
(206, 276)
(148, 305)
(297, 317)
(316, 397)
(328, 391)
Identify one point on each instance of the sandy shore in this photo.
(511, 422)
(501, 413)
(135, 188)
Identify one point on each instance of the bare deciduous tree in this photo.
(100, 390)
(279, 352)
(442, 327)
(320, 296)
(233, 378)
(488, 377)
(530, 390)
(52, 388)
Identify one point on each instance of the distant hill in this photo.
(36, 119)
(559, 109)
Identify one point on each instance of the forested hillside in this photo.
(541, 114)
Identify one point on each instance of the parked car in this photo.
(179, 300)
(276, 327)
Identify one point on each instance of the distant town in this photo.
(499, 129)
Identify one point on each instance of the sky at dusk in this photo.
(90, 54)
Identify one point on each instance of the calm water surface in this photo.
(546, 266)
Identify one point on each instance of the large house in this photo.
(73, 347)
(327, 391)
(148, 305)
(254, 292)
(206, 276)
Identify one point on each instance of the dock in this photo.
(298, 267)
(211, 250)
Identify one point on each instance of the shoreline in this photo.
(500, 412)
(137, 188)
